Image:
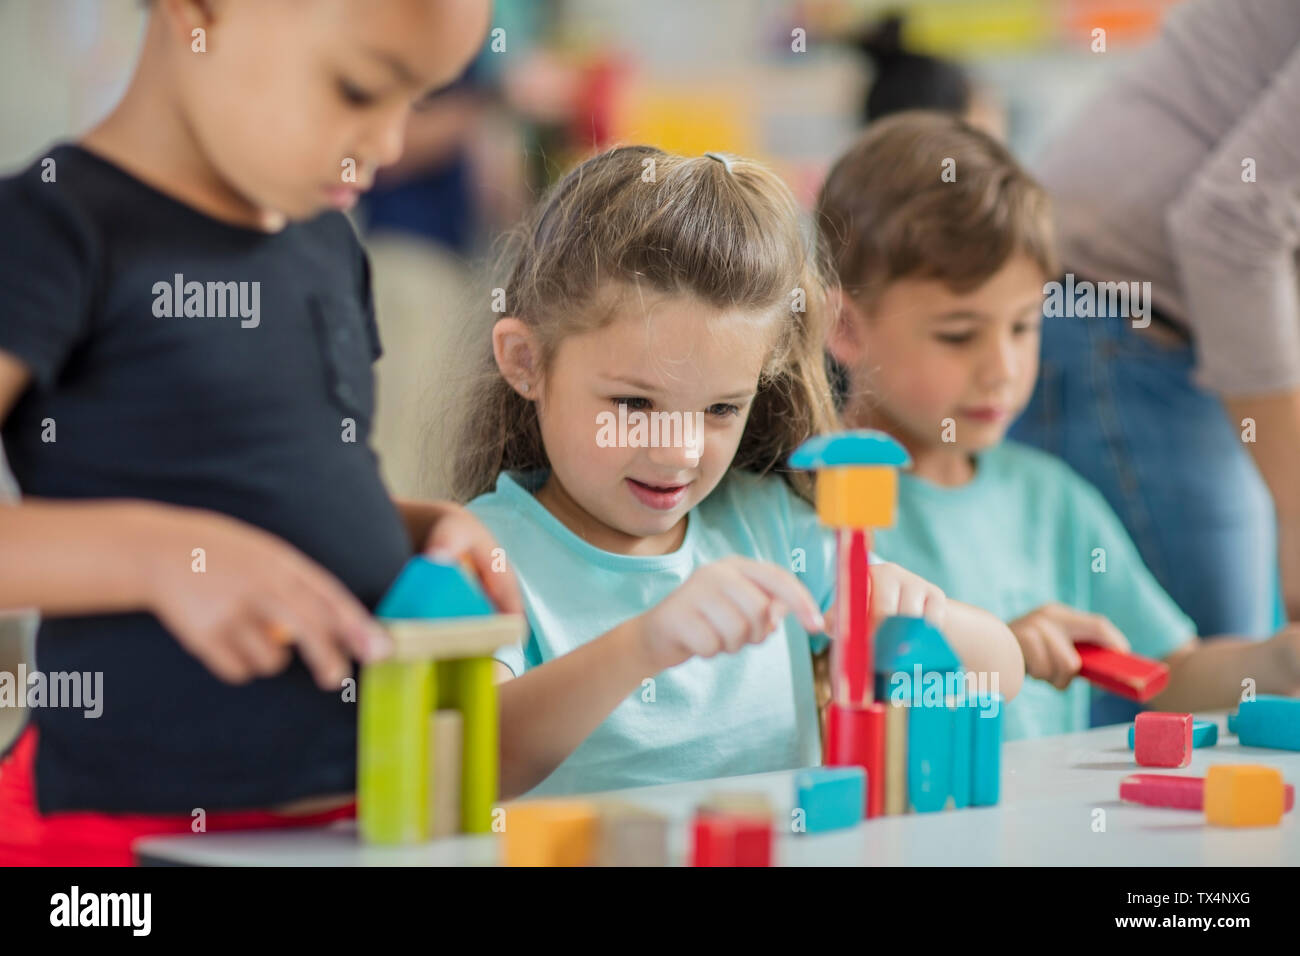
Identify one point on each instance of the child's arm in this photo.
(982, 642)
(1208, 675)
(120, 555)
(722, 607)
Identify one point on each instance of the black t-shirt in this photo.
(181, 359)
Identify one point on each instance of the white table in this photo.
(1051, 788)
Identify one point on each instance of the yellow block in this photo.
(551, 833)
(857, 496)
(1243, 795)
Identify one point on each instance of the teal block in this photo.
(430, 589)
(904, 643)
(930, 758)
(1232, 723)
(986, 753)
(963, 753)
(1205, 733)
(831, 797)
(1269, 721)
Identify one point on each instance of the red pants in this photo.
(83, 838)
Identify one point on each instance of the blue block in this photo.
(1269, 721)
(986, 759)
(929, 758)
(430, 590)
(1205, 733)
(904, 643)
(963, 753)
(831, 797)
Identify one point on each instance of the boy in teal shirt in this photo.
(942, 282)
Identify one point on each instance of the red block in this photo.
(1176, 792)
(725, 839)
(1162, 740)
(1137, 678)
(855, 737)
(852, 665)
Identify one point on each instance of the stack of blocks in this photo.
(925, 757)
(427, 747)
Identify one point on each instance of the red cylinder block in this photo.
(855, 737)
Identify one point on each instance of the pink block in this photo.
(1162, 740)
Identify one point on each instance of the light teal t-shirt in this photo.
(1026, 531)
(730, 714)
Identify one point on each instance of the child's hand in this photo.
(898, 592)
(722, 607)
(456, 534)
(255, 599)
(1286, 642)
(1047, 635)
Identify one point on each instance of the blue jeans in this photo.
(1123, 411)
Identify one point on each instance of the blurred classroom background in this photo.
(785, 81)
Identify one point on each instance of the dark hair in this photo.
(909, 81)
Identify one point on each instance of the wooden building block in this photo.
(631, 836)
(1239, 795)
(1162, 740)
(830, 798)
(856, 737)
(930, 758)
(986, 758)
(731, 839)
(895, 759)
(1128, 675)
(396, 699)
(468, 686)
(453, 638)
(445, 733)
(1268, 721)
(1177, 792)
(1205, 733)
(551, 833)
(852, 671)
(857, 496)
(963, 752)
(738, 802)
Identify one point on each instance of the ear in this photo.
(518, 357)
(845, 341)
(183, 17)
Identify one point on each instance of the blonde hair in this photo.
(886, 212)
(725, 230)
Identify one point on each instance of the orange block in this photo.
(857, 496)
(551, 833)
(1243, 795)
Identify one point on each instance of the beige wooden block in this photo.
(631, 836)
(895, 759)
(453, 638)
(446, 728)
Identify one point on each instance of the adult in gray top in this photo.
(1175, 384)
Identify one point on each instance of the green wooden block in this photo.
(397, 698)
(469, 687)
